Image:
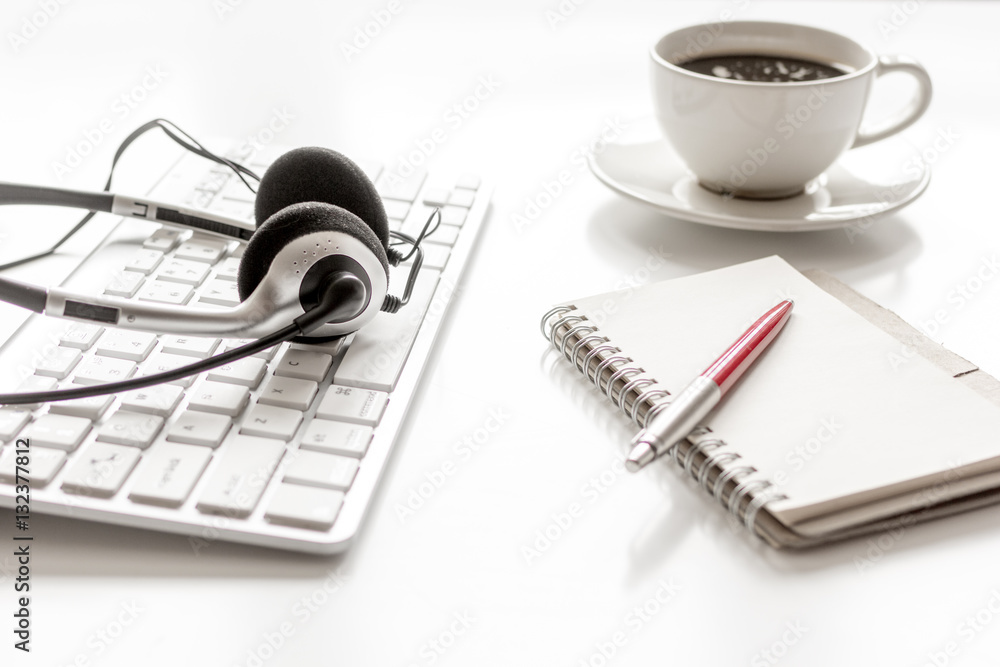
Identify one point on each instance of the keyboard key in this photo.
(202, 250)
(168, 474)
(304, 506)
(332, 347)
(435, 256)
(12, 420)
(468, 181)
(144, 261)
(130, 428)
(125, 344)
(89, 408)
(220, 398)
(376, 356)
(81, 336)
(246, 372)
(183, 271)
(419, 217)
(462, 197)
(100, 470)
(303, 364)
(59, 362)
(190, 346)
(125, 284)
(444, 234)
(161, 292)
(395, 209)
(163, 239)
(240, 477)
(326, 471)
(229, 269)
(392, 186)
(288, 392)
(34, 383)
(269, 421)
(99, 370)
(220, 293)
(266, 354)
(199, 428)
(164, 363)
(199, 199)
(436, 196)
(237, 191)
(160, 400)
(45, 463)
(217, 177)
(453, 215)
(353, 405)
(58, 431)
(337, 438)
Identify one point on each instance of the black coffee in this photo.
(761, 67)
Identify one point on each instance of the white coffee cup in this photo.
(766, 140)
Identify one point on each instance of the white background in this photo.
(889, 600)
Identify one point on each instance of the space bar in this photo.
(376, 356)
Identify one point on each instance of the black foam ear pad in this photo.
(292, 222)
(321, 175)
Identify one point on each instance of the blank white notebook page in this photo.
(836, 413)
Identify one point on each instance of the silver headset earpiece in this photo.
(318, 266)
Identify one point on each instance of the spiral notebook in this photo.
(851, 422)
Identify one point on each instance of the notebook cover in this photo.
(778, 535)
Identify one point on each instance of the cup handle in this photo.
(908, 114)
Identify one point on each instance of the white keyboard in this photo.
(283, 449)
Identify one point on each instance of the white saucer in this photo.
(642, 166)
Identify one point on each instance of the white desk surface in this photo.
(451, 585)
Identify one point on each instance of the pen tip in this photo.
(640, 456)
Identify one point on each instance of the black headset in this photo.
(315, 267)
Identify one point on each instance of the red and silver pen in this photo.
(698, 398)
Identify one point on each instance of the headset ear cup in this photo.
(314, 174)
(293, 222)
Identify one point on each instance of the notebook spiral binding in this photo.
(704, 457)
